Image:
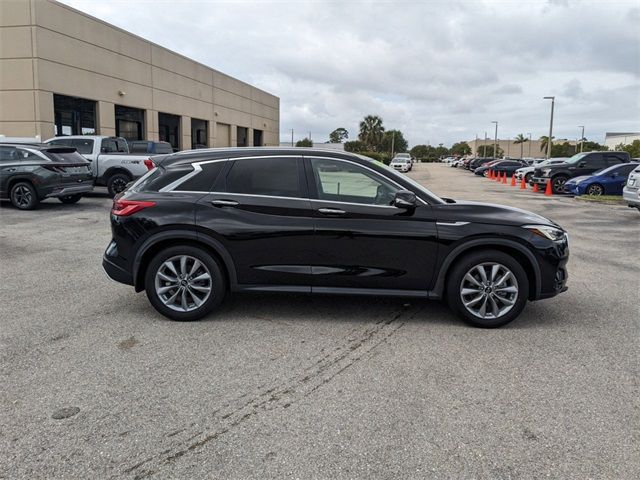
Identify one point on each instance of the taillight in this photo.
(124, 208)
(149, 164)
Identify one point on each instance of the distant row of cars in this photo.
(70, 166)
(589, 173)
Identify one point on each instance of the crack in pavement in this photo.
(282, 394)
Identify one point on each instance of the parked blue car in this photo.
(608, 181)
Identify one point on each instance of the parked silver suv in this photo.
(631, 191)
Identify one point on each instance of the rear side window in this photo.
(159, 178)
(595, 160)
(613, 159)
(114, 145)
(276, 177)
(204, 180)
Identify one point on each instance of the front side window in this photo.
(274, 177)
(595, 160)
(341, 181)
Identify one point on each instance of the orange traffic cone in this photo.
(490, 174)
(548, 191)
(504, 178)
(523, 184)
(513, 181)
(535, 188)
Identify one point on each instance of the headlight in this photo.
(546, 171)
(546, 231)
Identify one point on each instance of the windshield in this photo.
(576, 158)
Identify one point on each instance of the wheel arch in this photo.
(157, 242)
(109, 172)
(510, 247)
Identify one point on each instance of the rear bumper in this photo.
(70, 190)
(631, 196)
(116, 273)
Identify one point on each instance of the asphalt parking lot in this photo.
(316, 387)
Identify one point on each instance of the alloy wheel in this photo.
(558, 184)
(595, 190)
(489, 290)
(183, 283)
(22, 196)
(118, 185)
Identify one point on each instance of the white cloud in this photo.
(440, 71)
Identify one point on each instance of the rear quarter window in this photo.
(62, 156)
(160, 177)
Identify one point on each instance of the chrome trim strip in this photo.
(452, 224)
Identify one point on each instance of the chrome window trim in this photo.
(452, 224)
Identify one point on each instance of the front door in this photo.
(361, 240)
(260, 211)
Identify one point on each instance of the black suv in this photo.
(304, 220)
(31, 173)
(578, 165)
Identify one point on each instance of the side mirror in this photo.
(405, 199)
(448, 200)
(582, 164)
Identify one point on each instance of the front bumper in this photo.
(574, 189)
(539, 180)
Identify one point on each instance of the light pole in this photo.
(475, 144)
(553, 101)
(529, 144)
(484, 153)
(581, 137)
(495, 141)
(292, 137)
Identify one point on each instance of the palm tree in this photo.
(371, 131)
(521, 139)
(544, 140)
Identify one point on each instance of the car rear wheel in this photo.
(595, 190)
(24, 196)
(184, 283)
(487, 289)
(557, 183)
(117, 183)
(70, 198)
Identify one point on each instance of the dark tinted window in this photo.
(160, 178)
(108, 146)
(625, 169)
(8, 154)
(163, 147)
(121, 145)
(203, 181)
(137, 147)
(82, 145)
(614, 159)
(265, 176)
(595, 160)
(63, 155)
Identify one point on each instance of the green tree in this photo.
(395, 139)
(487, 151)
(521, 140)
(441, 151)
(633, 148)
(593, 147)
(305, 142)
(338, 135)
(562, 150)
(371, 131)
(355, 146)
(422, 152)
(544, 141)
(460, 148)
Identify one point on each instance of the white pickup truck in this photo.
(111, 163)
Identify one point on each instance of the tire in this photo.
(514, 289)
(595, 189)
(527, 178)
(23, 196)
(117, 183)
(69, 199)
(557, 183)
(157, 275)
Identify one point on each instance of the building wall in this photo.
(512, 150)
(612, 140)
(47, 48)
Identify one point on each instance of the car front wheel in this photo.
(487, 289)
(595, 190)
(184, 283)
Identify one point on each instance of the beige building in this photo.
(530, 149)
(64, 72)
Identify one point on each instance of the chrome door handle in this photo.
(331, 211)
(224, 203)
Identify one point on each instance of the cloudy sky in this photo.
(440, 71)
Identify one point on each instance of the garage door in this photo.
(223, 135)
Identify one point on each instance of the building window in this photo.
(257, 138)
(129, 123)
(169, 129)
(74, 116)
(199, 133)
(242, 136)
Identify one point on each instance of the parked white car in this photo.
(527, 172)
(111, 163)
(401, 164)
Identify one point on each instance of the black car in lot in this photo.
(478, 162)
(304, 220)
(508, 166)
(31, 173)
(576, 166)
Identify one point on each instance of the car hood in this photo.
(488, 213)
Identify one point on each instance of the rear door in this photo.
(361, 240)
(260, 211)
